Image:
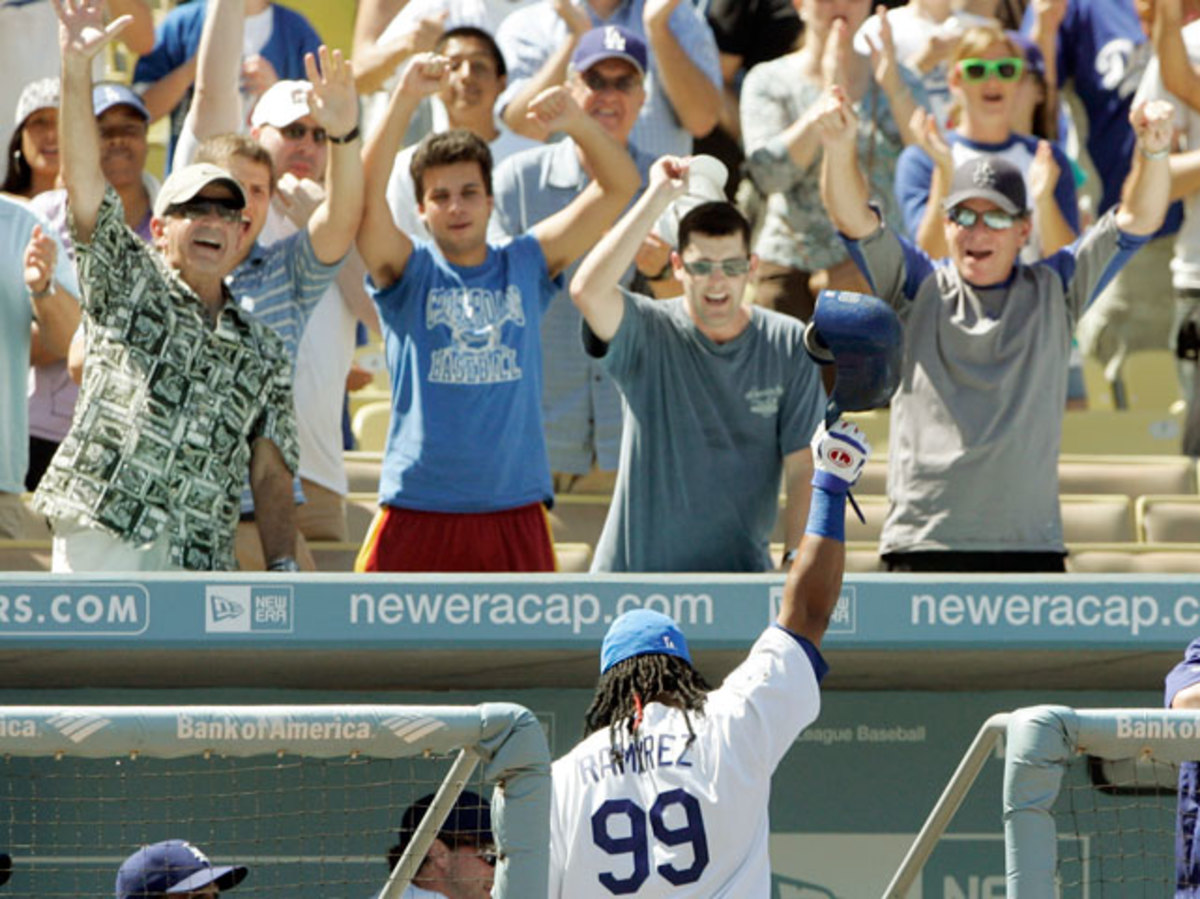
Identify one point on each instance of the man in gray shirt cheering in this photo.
(720, 396)
(977, 421)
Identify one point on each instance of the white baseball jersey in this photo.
(684, 820)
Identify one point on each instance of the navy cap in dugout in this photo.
(173, 866)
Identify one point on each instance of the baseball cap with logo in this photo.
(107, 95)
(173, 866)
(185, 183)
(283, 102)
(609, 42)
(988, 178)
(642, 633)
(40, 94)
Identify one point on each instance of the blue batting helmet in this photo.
(861, 336)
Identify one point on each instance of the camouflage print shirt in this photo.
(169, 406)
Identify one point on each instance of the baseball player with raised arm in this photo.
(667, 794)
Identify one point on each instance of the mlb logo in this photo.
(227, 609)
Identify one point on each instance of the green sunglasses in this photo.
(1007, 69)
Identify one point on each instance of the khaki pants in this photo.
(13, 516)
(323, 515)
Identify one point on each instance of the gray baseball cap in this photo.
(988, 178)
(185, 183)
(40, 94)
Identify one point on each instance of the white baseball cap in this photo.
(281, 104)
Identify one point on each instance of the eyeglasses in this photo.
(732, 268)
(995, 219)
(296, 131)
(1007, 69)
(597, 83)
(203, 208)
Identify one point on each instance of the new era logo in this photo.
(245, 609)
(224, 608)
(614, 40)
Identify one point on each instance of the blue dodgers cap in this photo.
(609, 42)
(173, 866)
(642, 633)
(109, 94)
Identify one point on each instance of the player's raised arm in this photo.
(81, 35)
(333, 103)
(384, 247)
(567, 235)
(844, 189)
(594, 288)
(815, 580)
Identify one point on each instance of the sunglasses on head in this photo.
(625, 84)
(1007, 69)
(227, 210)
(732, 268)
(996, 219)
(297, 131)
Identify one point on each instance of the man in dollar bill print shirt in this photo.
(182, 391)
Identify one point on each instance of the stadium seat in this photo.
(862, 556)
(875, 425)
(573, 558)
(1128, 432)
(370, 425)
(579, 517)
(1097, 518)
(360, 512)
(873, 479)
(1168, 519)
(366, 397)
(362, 470)
(25, 555)
(1151, 380)
(1134, 558)
(334, 556)
(1132, 476)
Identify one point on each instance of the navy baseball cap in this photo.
(642, 633)
(609, 42)
(470, 817)
(988, 178)
(173, 866)
(109, 94)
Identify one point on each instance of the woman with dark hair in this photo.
(33, 149)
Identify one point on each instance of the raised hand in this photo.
(929, 138)
(333, 100)
(1153, 123)
(298, 197)
(576, 17)
(40, 255)
(425, 75)
(884, 67)
(837, 124)
(554, 109)
(835, 57)
(839, 454)
(82, 32)
(669, 174)
(658, 12)
(428, 32)
(1049, 14)
(1043, 173)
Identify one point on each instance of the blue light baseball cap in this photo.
(642, 633)
(109, 94)
(609, 42)
(173, 866)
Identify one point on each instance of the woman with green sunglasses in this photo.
(986, 72)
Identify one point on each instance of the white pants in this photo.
(78, 547)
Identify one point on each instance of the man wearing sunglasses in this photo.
(183, 392)
(720, 396)
(976, 423)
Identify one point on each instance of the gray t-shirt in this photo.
(977, 421)
(706, 428)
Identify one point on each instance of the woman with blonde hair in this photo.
(984, 79)
(799, 250)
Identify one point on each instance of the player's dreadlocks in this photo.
(625, 688)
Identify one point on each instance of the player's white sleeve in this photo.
(769, 699)
(557, 847)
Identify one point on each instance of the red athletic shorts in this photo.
(406, 540)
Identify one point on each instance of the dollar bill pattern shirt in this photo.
(169, 407)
